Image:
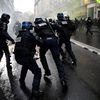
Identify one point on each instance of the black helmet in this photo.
(38, 20)
(60, 16)
(5, 17)
(27, 25)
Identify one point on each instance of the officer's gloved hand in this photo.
(39, 39)
(9, 42)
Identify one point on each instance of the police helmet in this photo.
(60, 16)
(27, 25)
(5, 17)
(38, 20)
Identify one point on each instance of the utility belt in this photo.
(50, 40)
(49, 37)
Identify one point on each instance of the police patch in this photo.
(64, 22)
(49, 38)
(42, 24)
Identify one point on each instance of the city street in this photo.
(26, 23)
(83, 81)
(93, 40)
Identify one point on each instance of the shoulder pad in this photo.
(42, 24)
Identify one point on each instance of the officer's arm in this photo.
(57, 27)
(7, 36)
(36, 38)
(5, 33)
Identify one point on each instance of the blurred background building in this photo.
(74, 8)
(8, 6)
(93, 9)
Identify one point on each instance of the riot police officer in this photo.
(67, 27)
(49, 41)
(4, 20)
(24, 53)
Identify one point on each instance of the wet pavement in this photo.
(83, 81)
(93, 40)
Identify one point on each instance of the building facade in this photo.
(93, 9)
(6, 6)
(48, 8)
(73, 8)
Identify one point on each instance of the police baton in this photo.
(49, 26)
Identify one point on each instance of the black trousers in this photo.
(89, 30)
(52, 44)
(67, 43)
(4, 48)
(28, 63)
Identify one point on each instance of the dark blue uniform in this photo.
(3, 37)
(49, 41)
(66, 28)
(24, 53)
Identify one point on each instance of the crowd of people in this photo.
(47, 35)
(87, 23)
